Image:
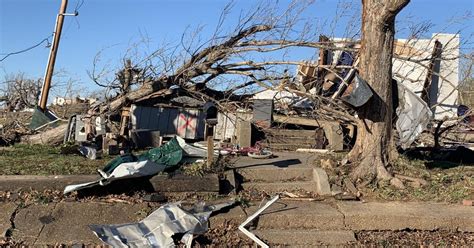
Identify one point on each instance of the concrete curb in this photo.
(407, 215)
(67, 222)
(322, 180)
(159, 183)
(306, 238)
(34, 182)
(287, 214)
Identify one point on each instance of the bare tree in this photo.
(467, 80)
(195, 66)
(374, 136)
(20, 92)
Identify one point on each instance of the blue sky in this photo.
(114, 24)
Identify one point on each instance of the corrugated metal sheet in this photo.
(187, 123)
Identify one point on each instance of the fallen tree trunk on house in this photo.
(54, 136)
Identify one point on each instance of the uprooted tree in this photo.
(197, 66)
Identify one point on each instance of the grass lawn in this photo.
(45, 160)
(452, 184)
(446, 185)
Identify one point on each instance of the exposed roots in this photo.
(372, 169)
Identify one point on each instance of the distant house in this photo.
(61, 101)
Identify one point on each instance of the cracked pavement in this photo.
(64, 222)
(67, 222)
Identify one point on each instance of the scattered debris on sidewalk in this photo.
(315, 111)
(252, 236)
(414, 238)
(295, 196)
(260, 155)
(160, 227)
(468, 202)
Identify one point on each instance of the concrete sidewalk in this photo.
(286, 171)
(280, 160)
(67, 222)
(159, 183)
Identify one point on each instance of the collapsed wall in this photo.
(411, 65)
(443, 92)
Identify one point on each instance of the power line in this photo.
(76, 11)
(78, 5)
(26, 49)
(6, 55)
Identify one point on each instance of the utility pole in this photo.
(52, 55)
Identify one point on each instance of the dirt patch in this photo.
(225, 235)
(408, 238)
(55, 196)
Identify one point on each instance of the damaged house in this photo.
(289, 116)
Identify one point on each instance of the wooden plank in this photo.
(323, 56)
(311, 138)
(288, 147)
(300, 121)
(226, 126)
(292, 142)
(262, 112)
(435, 55)
(244, 133)
(295, 138)
(307, 134)
(134, 110)
(290, 132)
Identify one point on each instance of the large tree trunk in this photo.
(372, 149)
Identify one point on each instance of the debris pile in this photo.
(160, 227)
(149, 163)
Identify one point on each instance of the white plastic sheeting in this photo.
(157, 229)
(413, 116)
(138, 169)
(123, 171)
(88, 152)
